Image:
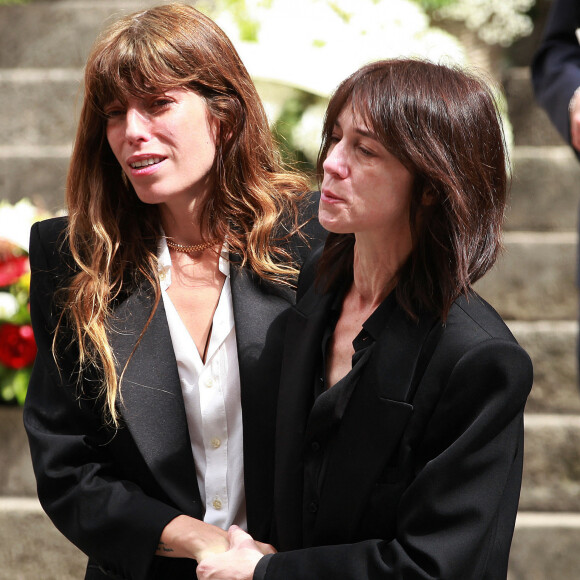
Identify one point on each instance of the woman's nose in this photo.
(136, 125)
(335, 162)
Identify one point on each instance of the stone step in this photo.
(31, 548)
(531, 125)
(534, 278)
(544, 547)
(545, 189)
(40, 106)
(552, 346)
(36, 173)
(551, 480)
(59, 33)
(16, 475)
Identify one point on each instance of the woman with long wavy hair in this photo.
(158, 303)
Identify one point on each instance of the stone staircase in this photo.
(43, 46)
(533, 287)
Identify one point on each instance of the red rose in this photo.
(17, 345)
(12, 268)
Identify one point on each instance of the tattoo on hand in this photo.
(163, 547)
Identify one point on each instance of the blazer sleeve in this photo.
(456, 516)
(107, 516)
(556, 64)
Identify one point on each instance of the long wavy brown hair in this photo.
(112, 234)
(443, 124)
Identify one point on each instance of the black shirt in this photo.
(329, 404)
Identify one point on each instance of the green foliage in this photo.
(342, 13)
(20, 291)
(13, 385)
(248, 27)
(6, 2)
(432, 5)
(282, 130)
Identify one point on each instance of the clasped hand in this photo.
(237, 563)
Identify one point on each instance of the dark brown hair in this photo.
(443, 125)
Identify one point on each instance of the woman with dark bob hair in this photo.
(158, 304)
(400, 414)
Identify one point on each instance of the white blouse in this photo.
(211, 393)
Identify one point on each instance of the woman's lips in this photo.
(328, 197)
(144, 165)
(146, 161)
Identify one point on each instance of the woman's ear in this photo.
(428, 198)
(215, 127)
(222, 133)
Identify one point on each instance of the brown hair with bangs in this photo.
(443, 125)
(112, 234)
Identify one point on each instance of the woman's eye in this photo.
(113, 113)
(366, 152)
(161, 103)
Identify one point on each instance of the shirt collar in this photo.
(377, 321)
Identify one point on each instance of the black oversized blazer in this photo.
(112, 493)
(423, 476)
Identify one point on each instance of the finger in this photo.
(236, 535)
(265, 548)
(575, 131)
(240, 539)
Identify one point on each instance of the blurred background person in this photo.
(556, 77)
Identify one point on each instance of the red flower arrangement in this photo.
(11, 267)
(17, 345)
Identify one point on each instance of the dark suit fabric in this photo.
(556, 73)
(423, 474)
(556, 64)
(112, 493)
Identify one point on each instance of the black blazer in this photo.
(556, 64)
(113, 493)
(423, 476)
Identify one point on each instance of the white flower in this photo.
(315, 44)
(8, 306)
(16, 221)
(496, 21)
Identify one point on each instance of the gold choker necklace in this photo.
(189, 249)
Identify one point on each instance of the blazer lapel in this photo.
(302, 346)
(151, 401)
(260, 312)
(372, 426)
